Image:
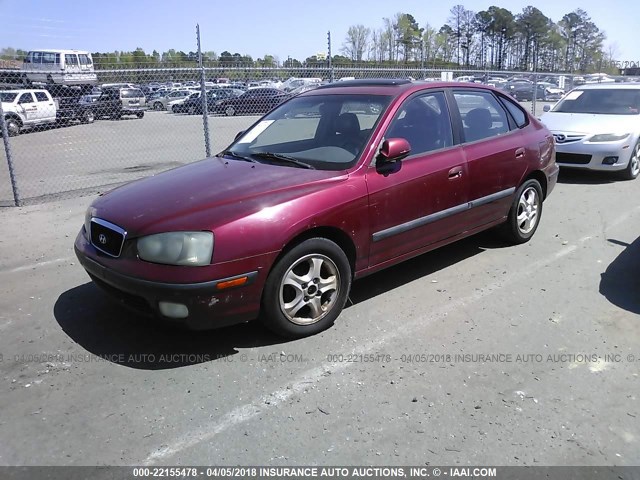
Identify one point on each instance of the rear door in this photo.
(46, 107)
(72, 66)
(495, 154)
(425, 198)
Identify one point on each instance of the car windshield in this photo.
(327, 132)
(8, 96)
(606, 101)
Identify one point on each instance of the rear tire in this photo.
(88, 116)
(524, 215)
(306, 289)
(158, 106)
(140, 114)
(229, 111)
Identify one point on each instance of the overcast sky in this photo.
(261, 27)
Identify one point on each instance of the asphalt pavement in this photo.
(477, 353)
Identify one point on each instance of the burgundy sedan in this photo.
(330, 186)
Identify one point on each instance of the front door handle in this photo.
(520, 153)
(455, 172)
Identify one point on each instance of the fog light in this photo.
(173, 310)
(610, 160)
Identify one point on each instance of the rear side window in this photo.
(84, 59)
(49, 58)
(71, 59)
(519, 116)
(482, 115)
(41, 97)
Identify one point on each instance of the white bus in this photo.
(62, 67)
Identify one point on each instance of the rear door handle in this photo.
(520, 153)
(455, 172)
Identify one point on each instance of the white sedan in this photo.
(597, 127)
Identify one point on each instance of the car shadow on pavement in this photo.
(423, 265)
(619, 283)
(106, 329)
(114, 333)
(586, 177)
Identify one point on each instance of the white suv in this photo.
(27, 109)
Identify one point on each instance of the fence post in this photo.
(7, 149)
(203, 94)
(535, 93)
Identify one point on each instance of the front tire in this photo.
(524, 215)
(307, 288)
(13, 126)
(88, 116)
(229, 111)
(158, 106)
(633, 168)
(140, 114)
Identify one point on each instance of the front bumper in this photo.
(208, 306)
(595, 156)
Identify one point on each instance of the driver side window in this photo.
(424, 122)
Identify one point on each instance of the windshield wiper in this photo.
(232, 154)
(282, 158)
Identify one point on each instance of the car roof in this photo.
(395, 87)
(610, 86)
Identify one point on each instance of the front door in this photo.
(29, 107)
(424, 200)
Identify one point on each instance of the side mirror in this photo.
(394, 150)
(238, 135)
(391, 152)
(546, 108)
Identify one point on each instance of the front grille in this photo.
(567, 138)
(573, 158)
(134, 302)
(107, 237)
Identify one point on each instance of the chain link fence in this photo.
(68, 135)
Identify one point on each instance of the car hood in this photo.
(206, 194)
(589, 122)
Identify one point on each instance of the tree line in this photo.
(494, 38)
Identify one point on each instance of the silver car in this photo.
(597, 127)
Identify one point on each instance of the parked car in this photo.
(523, 91)
(193, 104)
(175, 106)
(161, 102)
(114, 102)
(597, 127)
(69, 104)
(253, 101)
(24, 109)
(318, 193)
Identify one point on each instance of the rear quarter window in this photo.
(519, 116)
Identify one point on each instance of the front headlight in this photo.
(177, 248)
(609, 137)
(87, 221)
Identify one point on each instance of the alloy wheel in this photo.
(309, 289)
